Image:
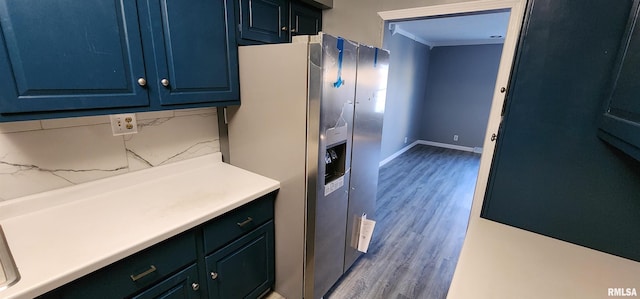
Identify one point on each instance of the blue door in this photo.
(69, 55)
(194, 51)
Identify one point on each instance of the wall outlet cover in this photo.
(123, 124)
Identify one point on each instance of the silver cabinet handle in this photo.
(293, 30)
(284, 28)
(142, 82)
(243, 223)
(164, 82)
(143, 274)
(214, 275)
(195, 286)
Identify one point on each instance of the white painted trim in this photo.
(446, 145)
(447, 9)
(397, 29)
(516, 7)
(468, 42)
(396, 154)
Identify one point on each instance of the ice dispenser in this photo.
(335, 162)
(335, 155)
(335, 159)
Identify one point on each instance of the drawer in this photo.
(184, 284)
(135, 272)
(236, 223)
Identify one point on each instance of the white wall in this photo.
(42, 155)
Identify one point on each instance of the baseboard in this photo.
(398, 153)
(477, 150)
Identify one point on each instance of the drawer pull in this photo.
(143, 274)
(195, 286)
(214, 275)
(243, 223)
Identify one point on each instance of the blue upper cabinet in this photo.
(305, 20)
(264, 21)
(62, 55)
(76, 58)
(195, 57)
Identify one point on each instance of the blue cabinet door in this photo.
(264, 21)
(305, 20)
(69, 55)
(192, 51)
(244, 268)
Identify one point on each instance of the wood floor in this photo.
(424, 200)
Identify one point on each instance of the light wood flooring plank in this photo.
(424, 200)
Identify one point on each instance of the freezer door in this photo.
(327, 208)
(371, 90)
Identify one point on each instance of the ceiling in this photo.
(457, 30)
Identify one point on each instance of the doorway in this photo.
(516, 15)
(514, 11)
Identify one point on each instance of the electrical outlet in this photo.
(455, 137)
(122, 124)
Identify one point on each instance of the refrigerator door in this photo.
(327, 208)
(371, 90)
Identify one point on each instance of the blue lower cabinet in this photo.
(240, 267)
(182, 285)
(244, 268)
(135, 273)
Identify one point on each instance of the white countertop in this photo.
(61, 235)
(499, 261)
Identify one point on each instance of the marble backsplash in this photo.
(37, 156)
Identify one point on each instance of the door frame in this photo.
(517, 9)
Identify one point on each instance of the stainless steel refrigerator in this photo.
(311, 117)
